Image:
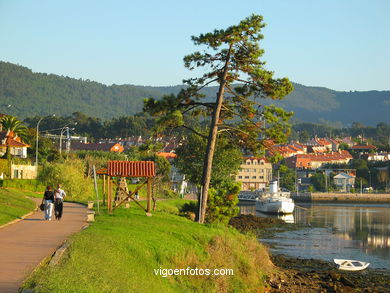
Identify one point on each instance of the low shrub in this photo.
(71, 175)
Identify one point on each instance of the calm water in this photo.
(350, 231)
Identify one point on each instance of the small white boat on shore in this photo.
(275, 201)
(350, 265)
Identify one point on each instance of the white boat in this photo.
(275, 201)
(275, 205)
(350, 265)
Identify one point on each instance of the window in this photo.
(253, 177)
(248, 162)
(239, 177)
(247, 170)
(261, 177)
(246, 177)
(261, 162)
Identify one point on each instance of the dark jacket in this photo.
(48, 195)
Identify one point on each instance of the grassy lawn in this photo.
(13, 204)
(120, 253)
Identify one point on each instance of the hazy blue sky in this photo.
(339, 44)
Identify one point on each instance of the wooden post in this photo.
(104, 190)
(96, 188)
(109, 199)
(149, 196)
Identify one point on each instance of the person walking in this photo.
(48, 199)
(59, 196)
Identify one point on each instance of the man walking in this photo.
(59, 196)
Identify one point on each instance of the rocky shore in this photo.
(310, 275)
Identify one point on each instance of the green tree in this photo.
(287, 177)
(304, 136)
(190, 157)
(318, 181)
(222, 202)
(232, 57)
(14, 128)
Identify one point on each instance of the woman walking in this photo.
(59, 195)
(48, 199)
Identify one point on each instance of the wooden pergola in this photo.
(128, 169)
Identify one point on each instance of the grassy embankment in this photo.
(119, 253)
(14, 204)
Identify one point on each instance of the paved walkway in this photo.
(25, 244)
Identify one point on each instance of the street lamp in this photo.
(36, 145)
(63, 129)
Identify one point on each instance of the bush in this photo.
(168, 193)
(189, 210)
(222, 202)
(3, 166)
(71, 175)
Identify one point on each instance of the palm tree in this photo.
(13, 128)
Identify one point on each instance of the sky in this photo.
(338, 44)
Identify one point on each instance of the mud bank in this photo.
(310, 275)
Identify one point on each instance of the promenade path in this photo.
(25, 244)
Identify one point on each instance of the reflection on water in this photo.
(353, 231)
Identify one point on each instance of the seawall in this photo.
(341, 197)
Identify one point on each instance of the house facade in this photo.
(24, 172)
(17, 147)
(254, 173)
(344, 182)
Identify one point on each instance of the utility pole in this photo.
(67, 141)
(326, 182)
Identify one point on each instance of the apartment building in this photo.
(254, 173)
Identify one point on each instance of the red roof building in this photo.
(104, 146)
(314, 161)
(167, 155)
(18, 148)
(363, 147)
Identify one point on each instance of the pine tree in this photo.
(231, 60)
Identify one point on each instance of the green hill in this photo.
(42, 94)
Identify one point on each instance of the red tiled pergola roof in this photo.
(131, 169)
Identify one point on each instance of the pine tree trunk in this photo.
(212, 139)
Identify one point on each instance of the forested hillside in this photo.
(34, 94)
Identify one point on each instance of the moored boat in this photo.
(275, 205)
(275, 201)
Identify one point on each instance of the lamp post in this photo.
(63, 129)
(37, 142)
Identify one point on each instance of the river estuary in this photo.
(327, 231)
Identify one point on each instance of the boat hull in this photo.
(275, 207)
(351, 265)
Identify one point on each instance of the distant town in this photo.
(322, 164)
